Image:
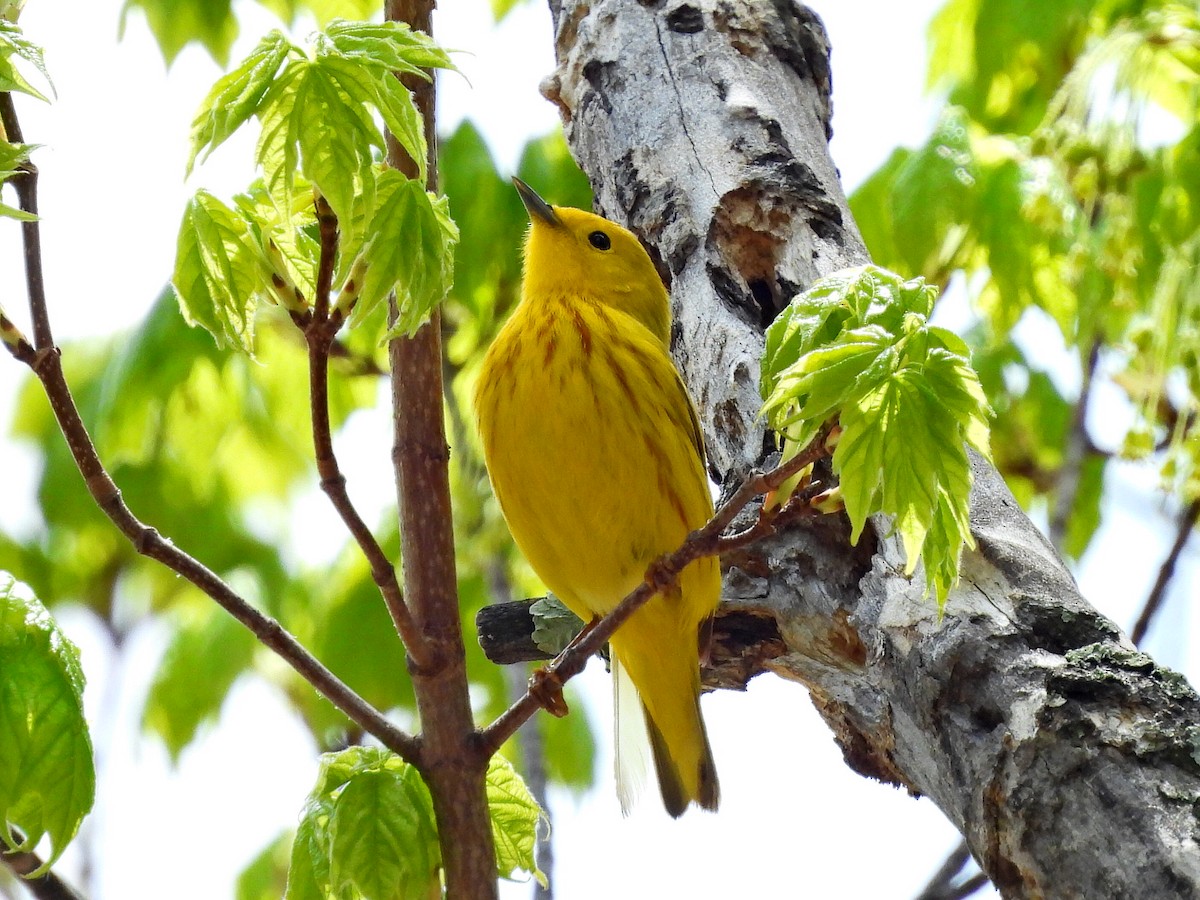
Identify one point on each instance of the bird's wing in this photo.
(692, 424)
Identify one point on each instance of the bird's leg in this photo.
(544, 684)
(660, 575)
(546, 688)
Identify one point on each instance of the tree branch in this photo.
(320, 331)
(942, 882)
(944, 885)
(1187, 522)
(319, 335)
(25, 184)
(1079, 445)
(46, 363)
(44, 887)
(1065, 481)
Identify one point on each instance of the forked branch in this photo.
(320, 329)
(44, 358)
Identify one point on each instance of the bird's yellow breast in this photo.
(592, 450)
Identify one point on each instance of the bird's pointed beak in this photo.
(537, 207)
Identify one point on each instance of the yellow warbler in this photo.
(596, 457)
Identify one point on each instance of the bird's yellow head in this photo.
(573, 253)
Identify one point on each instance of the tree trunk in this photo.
(1068, 760)
(450, 761)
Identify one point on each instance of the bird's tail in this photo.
(658, 705)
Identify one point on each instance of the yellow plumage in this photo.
(596, 457)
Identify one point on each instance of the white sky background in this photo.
(794, 819)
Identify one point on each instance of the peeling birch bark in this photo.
(1069, 761)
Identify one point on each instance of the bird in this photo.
(595, 454)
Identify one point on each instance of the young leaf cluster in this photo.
(322, 114)
(16, 48)
(515, 816)
(858, 346)
(214, 23)
(47, 776)
(367, 831)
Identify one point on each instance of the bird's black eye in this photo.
(600, 240)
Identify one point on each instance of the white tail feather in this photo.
(632, 739)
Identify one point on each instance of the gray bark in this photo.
(1068, 760)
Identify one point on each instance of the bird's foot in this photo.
(547, 689)
(660, 575)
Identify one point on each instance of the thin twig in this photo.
(319, 335)
(976, 882)
(943, 877)
(941, 886)
(320, 331)
(25, 184)
(44, 887)
(662, 573)
(1075, 453)
(1187, 522)
(46, 363)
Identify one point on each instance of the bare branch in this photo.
(25, 184)
(1075, 454)
(944, 884)
(44, 887)
(320, 331)
(1187, 522)
(333, 483)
